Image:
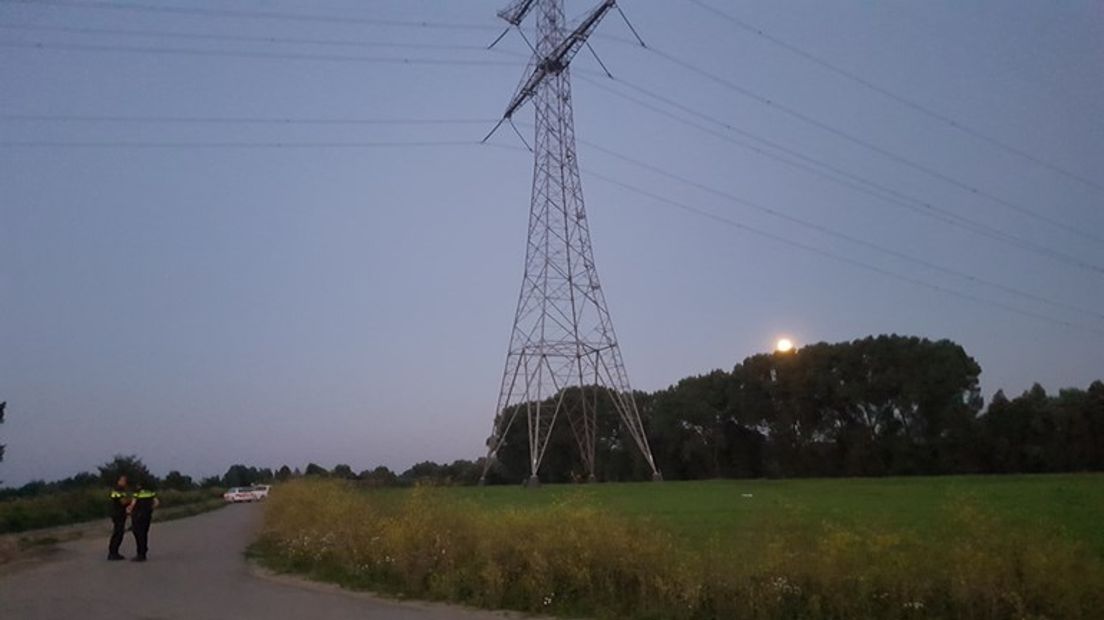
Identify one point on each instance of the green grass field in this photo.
(967, 547)
(1067, 505)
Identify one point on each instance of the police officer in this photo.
(141, 508)
(120, 498)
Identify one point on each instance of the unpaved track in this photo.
(196, 571)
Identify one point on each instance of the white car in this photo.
(240, 494)
(260, 491)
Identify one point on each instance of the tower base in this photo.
(532, 482)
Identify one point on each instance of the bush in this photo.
(65, 507)
(575, 559)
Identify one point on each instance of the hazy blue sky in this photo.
(201, 306)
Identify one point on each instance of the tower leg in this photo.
(657, 476)
(532, 482)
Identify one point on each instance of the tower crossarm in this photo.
(516, 11)
(560, 57)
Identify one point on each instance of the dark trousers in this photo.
(140, 524)
(118, 528)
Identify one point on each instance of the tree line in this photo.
(879, 406)
(460, 472)
(105, 476)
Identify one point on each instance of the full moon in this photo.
(783, 345)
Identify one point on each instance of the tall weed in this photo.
(574, 559)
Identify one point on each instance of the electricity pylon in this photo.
(562, 340)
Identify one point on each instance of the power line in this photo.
(792, 112)
(285, 121)
(274, 15)
(840, 258)
(333, 121)
(279, 39)
(228, 13)
(164, 34)
(231, 144)
(822, 229)
(321, 121)
(246, 120)
(125, 144)
(239, 14)
(81, 47)
(842, 177)
(837, 234)
(901, 99)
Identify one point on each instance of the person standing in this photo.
(141, 509)
(120, 499)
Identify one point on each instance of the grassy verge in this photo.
(64, 508)
(628, 551)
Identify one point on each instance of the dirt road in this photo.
(197, 570)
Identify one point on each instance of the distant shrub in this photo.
(574, 559)
(65, 507)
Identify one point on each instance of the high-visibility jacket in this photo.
(143, 502)
(119, 500)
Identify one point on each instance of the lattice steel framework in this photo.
(562, 336)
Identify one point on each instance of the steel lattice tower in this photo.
(562, 339)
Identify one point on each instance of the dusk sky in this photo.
(184, 279)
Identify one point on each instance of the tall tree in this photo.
(243, 476)
(1019, 431)
(130, 466)
(1094, 415)
(884, 405)
(283, 474)
(379, 477)
(177, 481)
